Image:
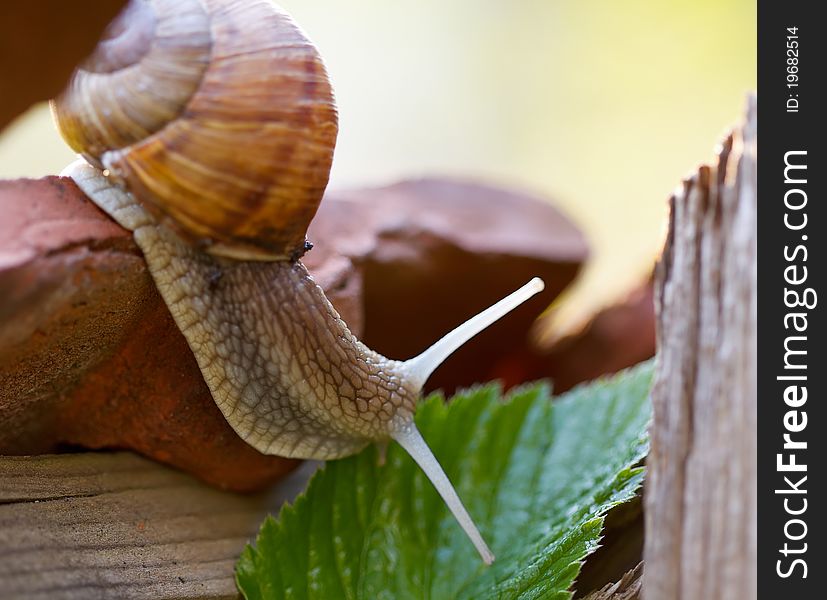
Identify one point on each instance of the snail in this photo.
(207, 129)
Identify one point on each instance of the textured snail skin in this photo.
(286, 372)
(218, 114)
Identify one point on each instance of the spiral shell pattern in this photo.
(218, 115)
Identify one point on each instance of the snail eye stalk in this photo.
(419, 368)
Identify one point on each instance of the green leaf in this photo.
(536, 476)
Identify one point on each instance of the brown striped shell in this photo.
(217, 114)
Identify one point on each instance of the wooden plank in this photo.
(701, 490)
(115, 525)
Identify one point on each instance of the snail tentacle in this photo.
(411, 440)
(419, 368)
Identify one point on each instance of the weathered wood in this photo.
(701, 490)
(115, 525)
(628, 588)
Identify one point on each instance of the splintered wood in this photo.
(700, 496)
(628, 588)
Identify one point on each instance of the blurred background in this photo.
(600, 105)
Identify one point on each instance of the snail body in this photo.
(222, 229)
(280, 363)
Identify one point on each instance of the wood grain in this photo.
(115, 525)
(628, 588)
(701, 490)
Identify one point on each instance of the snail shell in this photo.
(218, 115)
